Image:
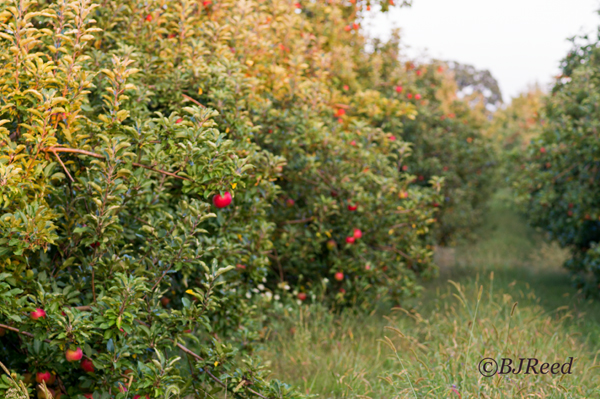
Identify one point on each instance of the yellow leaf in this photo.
(200, 91)
(233, 186)
(216, 364)
(189, 292)
(249, 62)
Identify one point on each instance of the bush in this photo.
(556, 178)
(125, 130)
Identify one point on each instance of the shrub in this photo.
(556, 178)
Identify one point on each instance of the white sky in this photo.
(520, 41)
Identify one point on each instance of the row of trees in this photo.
(169, 168)
(555, 176)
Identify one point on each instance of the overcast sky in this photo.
(520, 41)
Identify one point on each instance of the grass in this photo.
(506, 296)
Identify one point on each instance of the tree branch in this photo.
(54, 150)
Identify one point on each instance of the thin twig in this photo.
(63, 165)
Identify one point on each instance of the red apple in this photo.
(302, 296)
(87, 366)
(398, 89)
(419, 72)
(392, 138)
(355, 26)
(290, 202)
(435, 204)
(417, 96)
(353, 143)
(352, 208)
(38, 313)
(339, 276)
(331, 244)
(350, 240)
(347, 28)
(346, 88)
(440, 69)
(73, 355)
(148, 18)
(409, 95)
(403, 195)
(221, 201)
(44, 376)
(357, 233)
(367, 267)
(542, 150)
(343, 291)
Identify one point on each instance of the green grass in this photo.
(506, 296)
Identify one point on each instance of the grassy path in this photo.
(506, 297)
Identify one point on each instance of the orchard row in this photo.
(173, 170)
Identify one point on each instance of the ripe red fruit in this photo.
(339, 276)
(340, 112)
(44, 376)
(343, 291)
(353, 143)
(352, 208)
(419, 72)
(139, 396)
(95, 245)
(435, 204)
(417, 96)
(73, 355)
(302, 296)
(347, 28)
(297, 5)
(38, 313)
(88, 395)
(409, 95)
(290, 202)
(355, 26)
(404, 168)
(445, 168)
(367, 267)
(357, 233)
(179, 120)
(221, 201)
(542, 150)
(346, 88)
(206, 2)
(398, 89)
(440, 69)
(350, 240)
(87, 366)
(148, 17)
(392, 138)
(240, 266)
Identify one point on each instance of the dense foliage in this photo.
(169, 167)
(556, 179)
